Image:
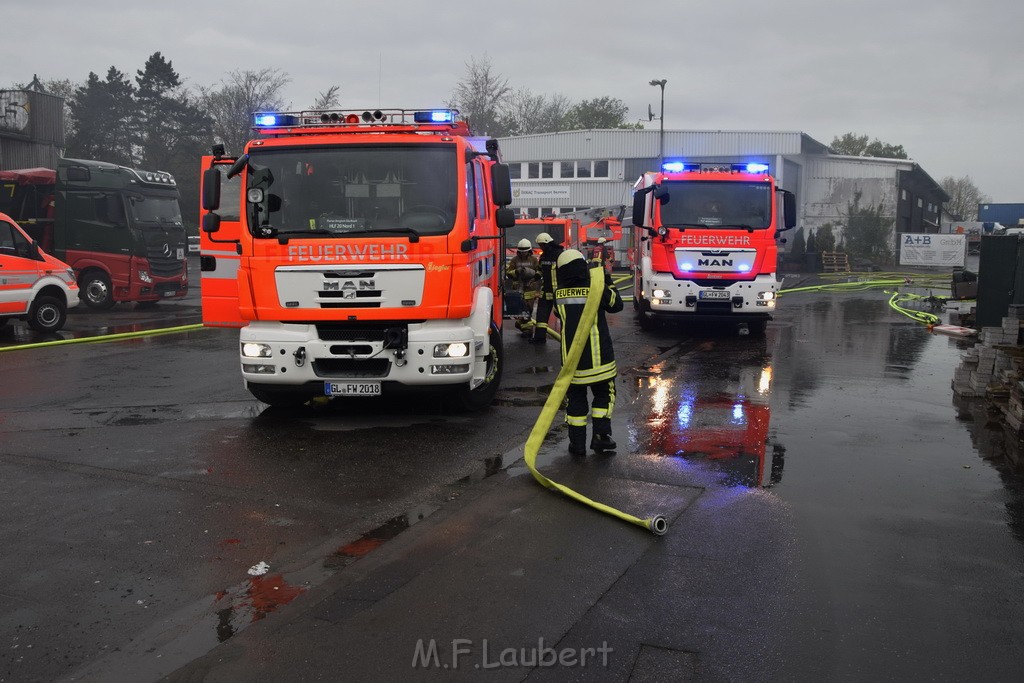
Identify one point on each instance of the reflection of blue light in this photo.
(737, 412)
(684, 415)
(744, 268)
(672, 166)
(757, 168)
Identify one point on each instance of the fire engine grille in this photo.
(161, 265)
(356, 332)
(351, 368)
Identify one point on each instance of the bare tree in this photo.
(964, 197)
(525, 113)
(480, 96)
(327, 99)
(238, 97)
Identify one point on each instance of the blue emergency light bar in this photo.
(434, 116)
(757, 168)
(679, 167)
(270, 120)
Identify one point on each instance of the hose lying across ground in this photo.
(656, 524)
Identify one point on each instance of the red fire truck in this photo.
(704, 240)
(359, 252)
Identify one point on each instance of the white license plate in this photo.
(713, 294)
(352, 388)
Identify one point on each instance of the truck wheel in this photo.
(646, 322)
(47, 314)
(96, 290)
(472, 400)
(279, 397)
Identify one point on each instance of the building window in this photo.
(568, 169)
(582, 169)
(533, 170)
(547, 169)
(600, 169)
(903, 195)
(515, 171)
(920, 202)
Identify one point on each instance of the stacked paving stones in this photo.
(994, 369)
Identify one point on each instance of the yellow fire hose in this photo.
(106, 337)
(656, 524)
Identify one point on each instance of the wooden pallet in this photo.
(834, 262)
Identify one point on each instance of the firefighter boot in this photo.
(602, 442)
(577, 441)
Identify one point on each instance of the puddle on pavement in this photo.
(523, 396)
(373, 539)
(538, 370)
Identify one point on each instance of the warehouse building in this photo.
(573, 170)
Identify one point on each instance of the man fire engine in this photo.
(359, 252)
(704, 240)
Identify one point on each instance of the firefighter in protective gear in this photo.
(549, 253)
(522, 280)
(602, 254)
(596, 369)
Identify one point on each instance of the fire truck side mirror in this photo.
(211, 189)
(789, 210)
(501, 185)
(211, 222)
(237, 167)
(505, 217)
(639, 205)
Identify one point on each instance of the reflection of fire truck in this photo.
(359, 252)
(724, 428)
(704, 240)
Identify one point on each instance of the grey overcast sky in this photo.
(943, 78)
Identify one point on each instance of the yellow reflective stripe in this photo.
(576, 421)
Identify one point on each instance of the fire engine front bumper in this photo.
(705, 298)
(439, 352)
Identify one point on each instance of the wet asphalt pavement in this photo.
(835, 513)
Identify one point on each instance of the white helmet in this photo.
(544, 238)
(568, 256)
(524, 244)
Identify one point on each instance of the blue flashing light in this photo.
(270, 120)
(434, 116)
(686, 266)
(757, 168)
(744, 268)
(673, 166)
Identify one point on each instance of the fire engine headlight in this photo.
(663, 231)
(144, 276)
(69, 276)
(254, 195)
(660, 294)
(253, 350)
(767, 296)
(456, 350)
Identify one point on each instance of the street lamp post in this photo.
(661, 136)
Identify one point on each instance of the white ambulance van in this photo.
(34, 286)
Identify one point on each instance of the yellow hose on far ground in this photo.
(106, 337)
(657, 524)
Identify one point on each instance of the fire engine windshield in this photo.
(711, 204)
(352, 190)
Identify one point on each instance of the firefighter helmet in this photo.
(524, 245)
(544, 238)
(601, 240)
(568, 256)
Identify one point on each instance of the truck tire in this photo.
(280, 397)
(472, 400)
(646, 322)
(96, 291)
(47, 314)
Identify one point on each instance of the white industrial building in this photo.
(581, 169)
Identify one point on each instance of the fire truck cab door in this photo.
(220, 261)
